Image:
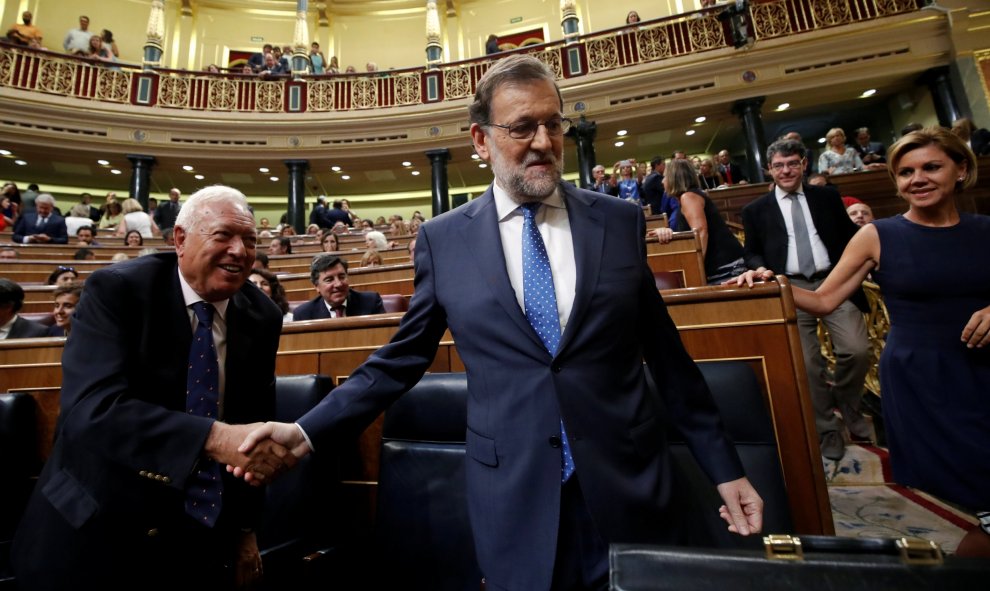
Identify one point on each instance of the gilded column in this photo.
(153, 47)
(569, 20)
(434, 50)
(300, 41)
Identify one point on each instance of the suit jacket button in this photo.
(143, 473)
(152, 532)
(166, 480)
(555, 441)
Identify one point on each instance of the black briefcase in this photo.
(811, 563)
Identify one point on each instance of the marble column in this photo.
(583, 132)
(751, 118)
(297, 193)
(569, 22)
(441, 194)
(141, 166)
(300, 41)
(434, 49)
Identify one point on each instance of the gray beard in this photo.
(522, 190)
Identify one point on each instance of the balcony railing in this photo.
(602, 51)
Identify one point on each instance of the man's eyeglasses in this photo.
(526, 130)
(790, 165)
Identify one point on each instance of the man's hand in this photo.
(976, 333)
(743, 508)
(747, 278)
(286, 436)
(264, 462)
(247, 570)
(44, 238)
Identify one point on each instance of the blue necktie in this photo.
(540, 301)
(203, 494)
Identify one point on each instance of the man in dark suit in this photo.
(869, 152)
(44, 226)
(336, 300)
(118, 503)
(653, 185)
(546, 290)
(600, 182)
(800, 230)
(731, 172)
(166, 212)
(13, 326)
(336, 214)
(319, 214)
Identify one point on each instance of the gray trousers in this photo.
(852, 359)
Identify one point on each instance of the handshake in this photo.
(258, 452)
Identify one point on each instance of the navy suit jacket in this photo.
(125, 446)
(54, 227)
(27, 329)
(359, 303)
(519, 393)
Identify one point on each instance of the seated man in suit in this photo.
(336, 300)
(42, 226)
(800, 230)
(731, 172)
(869, 152)
(13, 326)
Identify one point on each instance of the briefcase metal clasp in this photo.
(783, 547)
(915, 551)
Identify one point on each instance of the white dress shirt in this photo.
(219, 332)
(818, 249)
(551, 219)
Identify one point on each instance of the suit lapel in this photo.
(588, 237)
(481, 236)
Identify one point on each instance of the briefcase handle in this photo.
(913, 551)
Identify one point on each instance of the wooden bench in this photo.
(681, 255)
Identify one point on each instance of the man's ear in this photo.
(179, 236)
(480, 140)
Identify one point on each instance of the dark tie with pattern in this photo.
(203, 494)
(805, 257)
(540, 301)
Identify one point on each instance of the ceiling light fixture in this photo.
(346, 177)
(187, 168)
(103, 162)
(868, 93)
(621, 132)
(689, 132)
(199, 177)
(263, 169)
(783, 106)
(335, 168)
(4, 152)
(619, 144)
(700, 119)
(415, 173)
(273, 178)
(821, 140)
(475, 157)
(407, 163)
(114, 171)
(482, 165)
(20, 162)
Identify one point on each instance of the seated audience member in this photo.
(838, 158)
(372, 258)
(367, 225)
(260, 261)
(336, 299)
(339, 228)
(491, 45)
(42, 226)
(8, 254)
(860, 213)
(273, 68)
(168, 236)
(112, 215)
(268, 282)
(380, 221)
(287, 230)
(414, 225)
(62, 276)
(257, 60)
(869, 152)
(312, 230)
(709, 176)
(136, 220)
(86, 236)
(12, 326)
(66, 298)
(280, 245)
(133, 238)
(601, 181)
(350, 70)
(397, 227)
(977, 139)
(264, 224)
(722, 252)
(376, 240)
(84, 254)
(329, 242)
(731, 173)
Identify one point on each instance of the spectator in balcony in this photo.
(98, 51)
(77, 40)
(334, 67)
(371, 67)
(212, 69)
(66, 299)
(273, 68)
(838, 158)
(133, 238)
(632, 18)
(869, 152)
(977, 139)
(25, 34)
(136, 220)
(316, 59)
(281, 57)
(731, 173)
(350, 70)
(257, 60)
(491, 45)
(109, 43)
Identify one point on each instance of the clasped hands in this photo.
(258, 452)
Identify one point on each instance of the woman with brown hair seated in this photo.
(66, 299)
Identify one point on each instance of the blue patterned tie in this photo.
(203, 494)
(540, 301)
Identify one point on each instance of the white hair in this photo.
(381, 243)
(194, 210)
(45, 198)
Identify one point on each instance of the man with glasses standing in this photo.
(800, 230)
(546, 290)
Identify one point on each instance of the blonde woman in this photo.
(134, 219)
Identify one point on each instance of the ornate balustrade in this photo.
(602, 51)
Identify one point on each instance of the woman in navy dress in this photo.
(933, 267)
